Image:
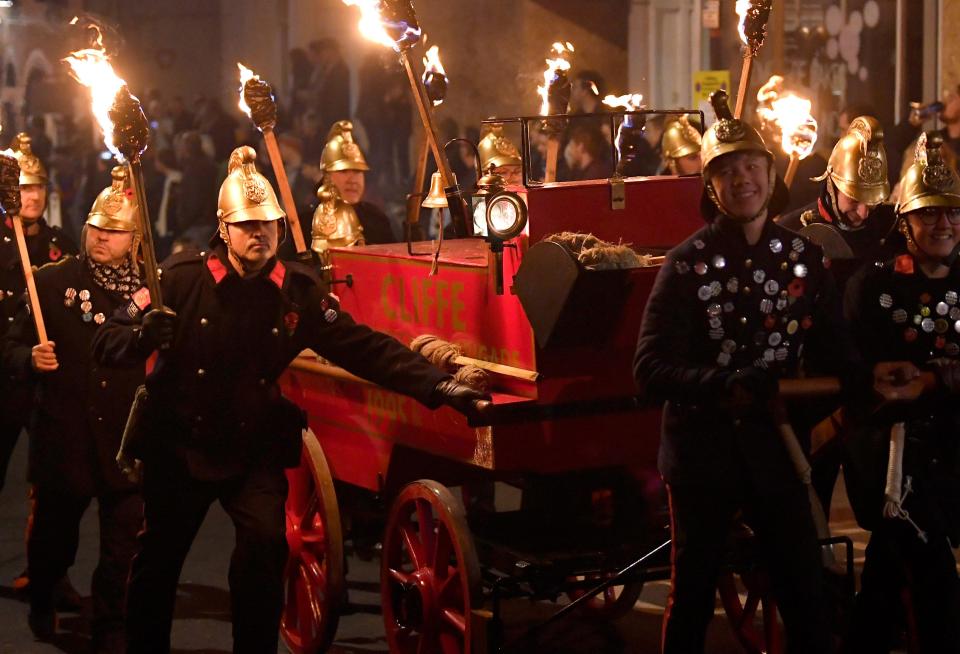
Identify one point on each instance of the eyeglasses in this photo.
(930, 216)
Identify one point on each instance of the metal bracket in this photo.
(618, 193)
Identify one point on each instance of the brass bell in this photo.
(436, 198)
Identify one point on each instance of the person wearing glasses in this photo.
(906, 479)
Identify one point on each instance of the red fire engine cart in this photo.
(564, 428)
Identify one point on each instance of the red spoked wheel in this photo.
(314, 577)
(429, 574)
(614, 602)
(759, 634)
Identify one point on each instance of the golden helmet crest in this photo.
(32, 170)
(728, 134)
(680, 138)
(497, 149)
(246, 194)
(341, 151)
(858, 163)
(115, 207)
(335, 222)
(929, 181)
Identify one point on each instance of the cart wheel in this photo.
(615, 602)
(429, 574)
(314, 577)
(763, 638)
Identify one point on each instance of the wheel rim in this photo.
(758, 633)
(612, 603)
(313, 577)
(429, 573)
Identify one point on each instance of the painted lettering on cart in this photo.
(430, 302)
(381, 404)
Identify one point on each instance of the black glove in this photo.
(157, 329)
(459, 396)
(750, 386)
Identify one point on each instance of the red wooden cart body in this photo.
(361, 426)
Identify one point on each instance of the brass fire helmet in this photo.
(341, 152)
(680, 139)
(247, 195)
(928, 182)
(858, 163)
(32, 170)
(115, 209)
(497, 149)
(335, 222)
(725, 136)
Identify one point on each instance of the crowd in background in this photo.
(192, 139)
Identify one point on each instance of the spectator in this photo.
(329, 82)
(198, 190)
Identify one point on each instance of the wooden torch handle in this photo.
(286, 196)
(28, 276)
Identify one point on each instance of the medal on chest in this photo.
(929, 320)
(70, 298)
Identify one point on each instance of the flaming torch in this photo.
(256, 100)
(393, 23)
(555, 96)
(754, 15)
(125, 133)
(798, 131)
(10, 206)
(630, 131)
(436, 82)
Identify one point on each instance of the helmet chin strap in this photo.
(234, 256)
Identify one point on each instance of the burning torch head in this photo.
(257, 99)
(130, 127)
(929, 181)
(341, 151)
(115, 208)
(9, 182)
(858, 163)
(32, 170)
(754, 15)
(400, 22)
(246, 194)
(434, 77)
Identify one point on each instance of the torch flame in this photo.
(432, 62)
(630, 101)
(92, 68)
(372, 25)
(559, 63)
(245, 76)
(798, 129)
(743, 6)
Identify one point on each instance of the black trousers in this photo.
(174, 508)
(52, 547)
(896, 560)
(11, 424)
(701, 520)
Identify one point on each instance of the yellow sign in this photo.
(706, 82)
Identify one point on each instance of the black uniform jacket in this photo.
(214, 394)
(718, 305)
(376, 225)
(902, 315)
(877, 241)
(48, 246)
(81, 407)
